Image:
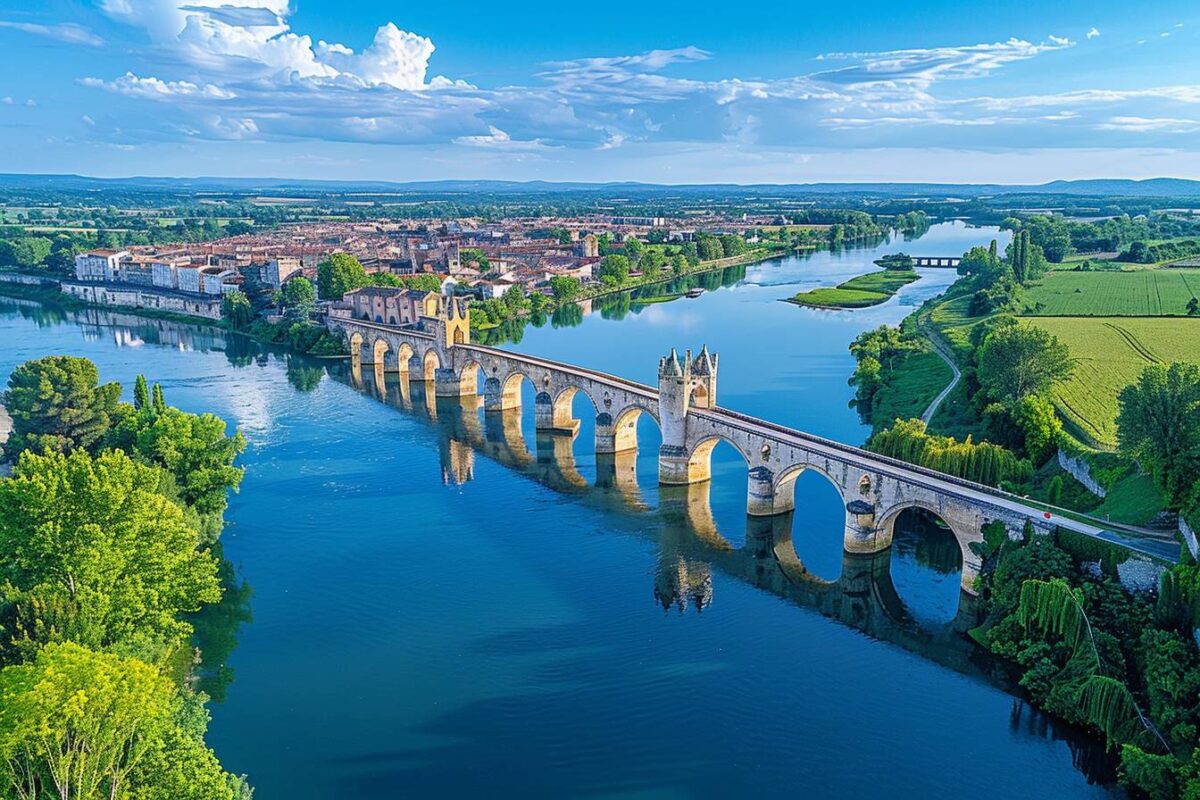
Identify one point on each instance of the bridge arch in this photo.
(622, 428)
(404, 355)
(354, 343)
(963, 532)
(468, 377)
(380, 349)
(816, 524)
(783, 491)
(430, 364)
(699, 466)
(502, 391)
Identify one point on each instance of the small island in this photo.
(861, 291)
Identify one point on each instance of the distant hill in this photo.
(1101, 187)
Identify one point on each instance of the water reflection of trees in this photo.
(217, 628)
(304, 373)
(929, 540)
(616, 306)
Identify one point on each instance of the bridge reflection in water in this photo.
(691, 545)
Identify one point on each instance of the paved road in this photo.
(940, 347)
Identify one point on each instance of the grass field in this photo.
(1110, 353)
(911, 388)
(1144, 293)
(858, 292)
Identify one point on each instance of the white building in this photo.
(99, 265)
(164, 275)
(217, 280)
(188, 278)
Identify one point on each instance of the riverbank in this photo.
(745, 259)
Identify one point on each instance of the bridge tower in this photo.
(681, 387)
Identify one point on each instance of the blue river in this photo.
(427, 602)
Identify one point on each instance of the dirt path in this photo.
(942, 349)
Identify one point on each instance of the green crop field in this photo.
(1110, 353)
(858, 292)
(1142, 293)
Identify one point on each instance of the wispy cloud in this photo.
(1093, 33)
(1147, 124)
(67, 32)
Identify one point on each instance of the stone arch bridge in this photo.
(874, 489)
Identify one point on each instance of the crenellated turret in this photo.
(668, 366)
(682, 386)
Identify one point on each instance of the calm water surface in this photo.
(446, 604)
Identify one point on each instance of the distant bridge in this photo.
(874, 489)
(947, 262)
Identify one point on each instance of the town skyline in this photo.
(317, 91)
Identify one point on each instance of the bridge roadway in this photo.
(875, 488)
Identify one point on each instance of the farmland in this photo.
(1110, 353)
(1141, 293)
(858, 292)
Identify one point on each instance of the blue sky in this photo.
(665, 91)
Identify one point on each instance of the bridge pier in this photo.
(448, 384)
(498, 396)
(676, 468)
(760, 493)
(863, 537)
(553, 417)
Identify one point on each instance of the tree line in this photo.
(108, 527)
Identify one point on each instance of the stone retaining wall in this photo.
(1079, 470)
(1189, 537)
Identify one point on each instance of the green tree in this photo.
(57, 402)
(141, 393)
(300, 298)
(1040, 426)
(614, 269)
(1159, 425)
(85, 725)
(514, 300)
(192, 447)
(634, 249)
(91, 551)
(651, 262)
(338, 274)
(1019, 360)
(236, 310)
(473, 255)
(982, 263)
(565, 288)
